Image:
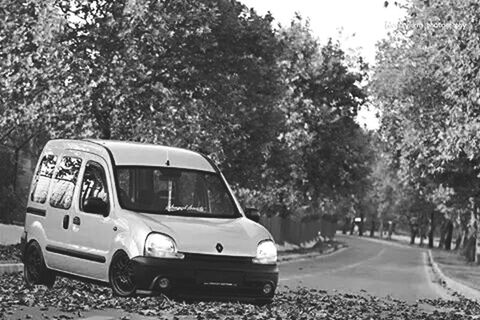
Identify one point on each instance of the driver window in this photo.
(94, 184)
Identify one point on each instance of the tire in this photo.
(121, 275)
(35, 270)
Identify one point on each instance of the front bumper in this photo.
(206, 275)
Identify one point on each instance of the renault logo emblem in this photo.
(219, 247)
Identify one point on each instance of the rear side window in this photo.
(42, 178)
(64, 182)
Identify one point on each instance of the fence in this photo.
(297, 232)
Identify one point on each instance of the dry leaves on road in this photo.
(72, 296)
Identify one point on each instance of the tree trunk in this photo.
(470, 249)
(380, 229)
(360, 225)
(372, 228)
(413, 229)
(390, 230)
(422, 233)
(432, 229)
(448, 235)
(345, 225)
(475, 231)
(458, 241)
(465, 239)
(443, 231)
(413, 234)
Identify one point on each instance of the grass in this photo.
(455, 266)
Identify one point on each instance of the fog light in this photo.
(267, 288)
(163, 283)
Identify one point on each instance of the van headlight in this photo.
(266, 253)
(161, 246)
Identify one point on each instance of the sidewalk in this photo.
(457, 272)
(406, 239)
(400, 238)
(10, 234)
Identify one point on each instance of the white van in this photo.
(143, 218)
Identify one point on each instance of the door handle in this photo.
(66, 220)
(76, 220)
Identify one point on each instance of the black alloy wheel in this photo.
(34, 269)
(121, 275)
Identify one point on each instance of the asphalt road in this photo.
(370, 266)
(366, 266)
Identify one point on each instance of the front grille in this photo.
(197, 257)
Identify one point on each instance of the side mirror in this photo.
(96, 206)
(252, 214)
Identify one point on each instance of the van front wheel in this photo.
(34, 269)
(121, 275)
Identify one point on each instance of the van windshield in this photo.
(173, 191)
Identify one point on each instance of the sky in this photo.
(357, 24)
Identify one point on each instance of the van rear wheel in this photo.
(34, 269)
(121, 275)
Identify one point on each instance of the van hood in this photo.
(238, 237)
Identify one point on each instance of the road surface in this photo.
(366, 266)
(378, 267)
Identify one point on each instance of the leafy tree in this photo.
(426, 84)
(274, 108)
(325, 151)
(28, 58)
(197, 74)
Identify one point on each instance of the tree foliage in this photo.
(274, 107)
(426, 84)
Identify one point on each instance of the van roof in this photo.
(140, 154)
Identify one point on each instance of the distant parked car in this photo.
(143, 218)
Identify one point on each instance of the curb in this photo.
(11, 268)
(451, 284)
(391, 242)
(308, 256)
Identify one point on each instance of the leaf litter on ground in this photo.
(10, 253)
(71, 296)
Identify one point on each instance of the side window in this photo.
(42, 178)
(94, 184)
(64, 182)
